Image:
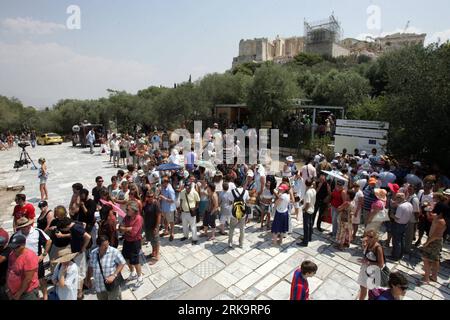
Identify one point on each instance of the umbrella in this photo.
(115, 207)
(168, 167)
(335, 175)
(206, 164)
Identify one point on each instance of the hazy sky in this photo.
(130, 45)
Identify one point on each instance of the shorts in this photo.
(41, 270)
(116, 154)
(266, 208)
(202, 207)
(131, 250)
(225, 217)
(42, 180)
(152, 236)
(433, 250)
(210, 220)
(169, 216)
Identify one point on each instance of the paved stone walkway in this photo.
(259, 271)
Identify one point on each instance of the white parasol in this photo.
(335, 175)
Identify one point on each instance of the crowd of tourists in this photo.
(370, 200)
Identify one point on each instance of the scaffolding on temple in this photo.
(328, 31)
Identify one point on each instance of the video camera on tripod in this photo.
(25, 158)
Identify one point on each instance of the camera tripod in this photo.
(25, 159)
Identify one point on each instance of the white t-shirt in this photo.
(284, 203)
(310, 197)
(359, 197)
(404, 213)
(237, 192)
(114, 145)
(69, 291)
(33, 238)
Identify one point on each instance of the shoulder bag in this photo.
(118, 281)
(192, 211)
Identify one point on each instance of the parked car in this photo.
(49, 138)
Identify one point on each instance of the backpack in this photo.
(239, 208)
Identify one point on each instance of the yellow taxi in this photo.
(49, 138)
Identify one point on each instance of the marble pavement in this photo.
(259, 271)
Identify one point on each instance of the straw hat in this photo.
(380, 194)
(65, 255)
(23, 222)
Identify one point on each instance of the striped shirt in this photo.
(110, 261)
(369, 197)
(299, 287)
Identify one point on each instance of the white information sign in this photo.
(363, 124)
(363, 133)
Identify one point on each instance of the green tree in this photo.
(270, 94)
(308, 59)
(341, 89)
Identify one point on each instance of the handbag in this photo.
(381, 216)
(193, 212)
(118, 281)
(384, 273)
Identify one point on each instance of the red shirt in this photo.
(17, 265)
(336, 198)
(136, 224)
(26, 211)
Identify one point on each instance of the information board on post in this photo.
(362, 135)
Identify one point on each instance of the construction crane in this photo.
(407, 26)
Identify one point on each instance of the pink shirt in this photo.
(136, 224)
(17, 265)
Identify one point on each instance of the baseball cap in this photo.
(17, 241)
(42, 204)
(283, 187)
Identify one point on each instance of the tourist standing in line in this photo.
(152, 221)
(280, 224)
(131, 228)
(309, 201)
(106, 266)
(22, 278)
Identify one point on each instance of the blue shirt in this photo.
(387, 295)
(168, 193)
